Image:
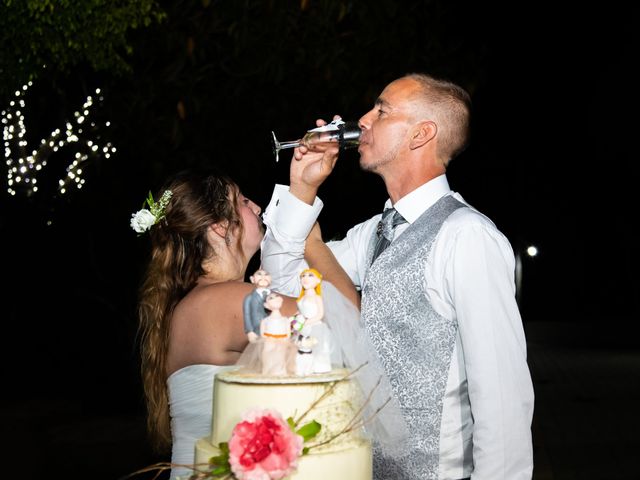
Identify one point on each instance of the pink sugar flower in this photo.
(263, 447)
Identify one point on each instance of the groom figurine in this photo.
(253, 308)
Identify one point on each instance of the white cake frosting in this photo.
(335, 401)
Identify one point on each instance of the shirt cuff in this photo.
(294, 217)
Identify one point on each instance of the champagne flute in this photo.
(346, 134)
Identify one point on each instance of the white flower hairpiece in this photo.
(144, 219)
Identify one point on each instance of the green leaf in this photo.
(150, 201)
(305, 450)
(224, 447)
(220, 464)
(219, 461)
(291, 423)
(222, 460)
(309, 430)
(221, 471)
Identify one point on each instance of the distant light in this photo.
(532, 251)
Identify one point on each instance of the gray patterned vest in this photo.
(413, 342)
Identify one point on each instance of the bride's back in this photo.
(207, 326)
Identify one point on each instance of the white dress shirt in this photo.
(469, 277)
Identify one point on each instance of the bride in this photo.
(203, 233)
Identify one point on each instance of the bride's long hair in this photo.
(179, 247)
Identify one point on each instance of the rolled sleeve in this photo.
(293, 217)
(288, 221)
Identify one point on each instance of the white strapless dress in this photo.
(190, 406)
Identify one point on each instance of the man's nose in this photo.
(365, 121)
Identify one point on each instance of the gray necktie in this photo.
(386, 226)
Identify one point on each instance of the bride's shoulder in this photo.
(220, 293)
(221, 302)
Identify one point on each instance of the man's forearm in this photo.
(319, 256)
(288, 222)
(304, 193)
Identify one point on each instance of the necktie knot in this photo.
(391, 218)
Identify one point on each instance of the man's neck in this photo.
(401, 187)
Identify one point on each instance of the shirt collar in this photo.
(415, 203)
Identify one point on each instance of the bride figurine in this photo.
(314, 346)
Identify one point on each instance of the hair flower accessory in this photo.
(144, 219)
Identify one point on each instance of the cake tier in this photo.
(330, 399)
(354, 463)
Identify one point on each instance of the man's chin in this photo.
(363, 160)
(366, 166)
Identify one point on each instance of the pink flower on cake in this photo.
(263, 447)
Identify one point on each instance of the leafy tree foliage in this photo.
(207, 84)
(61, 34)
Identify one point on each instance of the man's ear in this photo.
(422, 133)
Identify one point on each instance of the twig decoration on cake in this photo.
(164, 466)
(328, 392)
(354, 423)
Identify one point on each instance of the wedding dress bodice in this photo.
(277, 326)
(190, 406)
(307, 307)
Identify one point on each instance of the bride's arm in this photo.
(320, 257)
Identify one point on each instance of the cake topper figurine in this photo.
(312, 338)
(300, 345)
(275, 331)
(253, 308)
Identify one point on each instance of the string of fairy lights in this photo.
(23, 167)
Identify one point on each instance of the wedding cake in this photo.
(331, 399)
